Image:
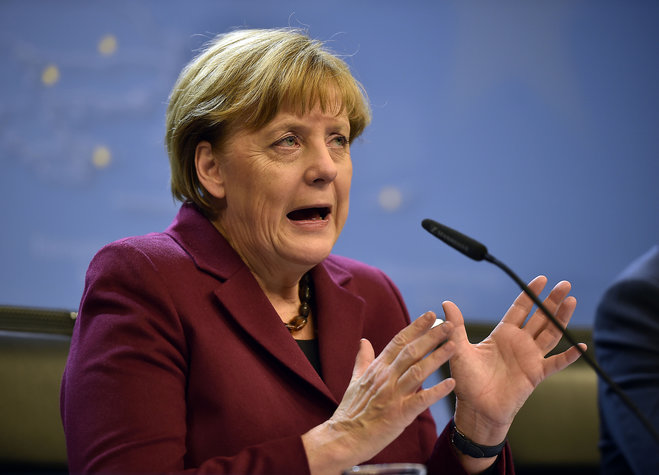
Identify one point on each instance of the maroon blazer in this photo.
(179, 361)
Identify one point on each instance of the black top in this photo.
(310, 350)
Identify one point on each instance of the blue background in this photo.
(532, 126)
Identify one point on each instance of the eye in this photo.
(338, 141)
(288, 141)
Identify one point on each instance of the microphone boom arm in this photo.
(587, 358)
(477, 251)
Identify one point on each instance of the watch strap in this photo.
(471, 448)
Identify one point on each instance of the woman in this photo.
(235, 343)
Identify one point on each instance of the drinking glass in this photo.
(387, 469)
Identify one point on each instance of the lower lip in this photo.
(311, 224)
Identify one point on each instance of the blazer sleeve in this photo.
(123, 395)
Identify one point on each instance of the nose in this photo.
(321, 168)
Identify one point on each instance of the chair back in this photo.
(34, 345)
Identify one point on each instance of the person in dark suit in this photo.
(626, 338)
(234, 342)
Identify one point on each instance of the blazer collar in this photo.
(204, 244)
(339, 312)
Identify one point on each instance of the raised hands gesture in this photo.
(491, 379)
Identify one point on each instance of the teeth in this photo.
(309, 214)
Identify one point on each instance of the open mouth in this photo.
(309, 214)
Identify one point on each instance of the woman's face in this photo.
(286, 188)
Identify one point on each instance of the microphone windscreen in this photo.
(466, 245)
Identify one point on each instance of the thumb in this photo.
(453, 314)
(365, 357)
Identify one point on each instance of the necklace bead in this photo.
(298, 322)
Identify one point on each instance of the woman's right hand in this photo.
(383, 397)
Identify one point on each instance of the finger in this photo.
(416, 374)
(558, 362)
(566, 310)
(538, 321)
(422, 400)
(551, 335)
(408, 334)
(523, 304)
(365, 357)
(416, 350)
(360, 392)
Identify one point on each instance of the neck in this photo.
(276, 278)
(280, 282)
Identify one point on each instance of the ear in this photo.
(208, 169)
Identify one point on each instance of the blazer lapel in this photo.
(340, 319)
(248, 306)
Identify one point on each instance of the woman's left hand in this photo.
(495, 377)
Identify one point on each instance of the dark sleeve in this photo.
(444, 459)
(626, 340)
(123, 396)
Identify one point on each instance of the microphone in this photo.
(477, 251)
(466, 245)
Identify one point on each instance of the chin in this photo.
(313, 256)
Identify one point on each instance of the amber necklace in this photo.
(298, 322)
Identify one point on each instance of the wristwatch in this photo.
(471, 448)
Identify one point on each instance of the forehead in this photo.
(335, 113)
(295, 110)
(328, 98)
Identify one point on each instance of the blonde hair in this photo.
(244, 78)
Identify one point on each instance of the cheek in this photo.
(249, 204)
(344, 182)
(254, 186)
